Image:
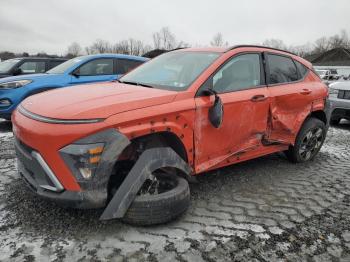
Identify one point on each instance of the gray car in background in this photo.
(339, 98)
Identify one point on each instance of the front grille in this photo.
(344, 94)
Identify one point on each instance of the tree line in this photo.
(164, 39)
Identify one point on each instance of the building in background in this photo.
(337, 58)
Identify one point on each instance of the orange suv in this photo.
(132, 145)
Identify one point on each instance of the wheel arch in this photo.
(158, 139)
(319, 114)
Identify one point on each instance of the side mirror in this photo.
(75, 73)
(17, 71)
(216, 112)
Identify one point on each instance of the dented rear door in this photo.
(291, 98)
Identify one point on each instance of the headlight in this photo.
(82, 159)
(15, 84)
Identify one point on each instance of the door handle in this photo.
(306, 91)
(258, 98)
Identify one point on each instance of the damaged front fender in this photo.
(96, 187)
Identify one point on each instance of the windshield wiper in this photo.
(134, 83)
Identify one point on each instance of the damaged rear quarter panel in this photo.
(290, 107)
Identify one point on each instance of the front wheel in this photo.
(308, 142)
(162, 198)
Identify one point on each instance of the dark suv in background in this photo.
(28, 65)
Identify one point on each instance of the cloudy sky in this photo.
(51, 25)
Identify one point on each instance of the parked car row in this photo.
(339, 96)
(28, 65)
(331, 74)
(80, 70)
(133, 144)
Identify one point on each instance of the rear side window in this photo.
(301, 68)
(53, 64)
(125, 65)
(32, 67)
(281, 69)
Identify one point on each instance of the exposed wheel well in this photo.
(321, 115)
(161, 139)
(132, 152)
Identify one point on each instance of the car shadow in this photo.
(344, 124)
(5, 126)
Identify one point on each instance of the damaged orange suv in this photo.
(132, 145)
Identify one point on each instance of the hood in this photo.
(34, 77)
(91, 101)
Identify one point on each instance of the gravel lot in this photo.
(263, 210)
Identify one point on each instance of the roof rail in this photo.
(177, 48)
(258, 46)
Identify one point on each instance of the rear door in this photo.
(97, 70)
(291, 97)
(33, 66)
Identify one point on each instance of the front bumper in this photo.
(339, 107)
(40, 164)
(42, 181)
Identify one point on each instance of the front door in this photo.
(241, 87)
(97, 70)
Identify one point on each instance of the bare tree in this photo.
(122, 47)
(218, 40)
(165, 39)
(321, 45)
(130, 46)
(274, 43)
(74, 50)
(99, 47)
(302, 50)
(339, 41)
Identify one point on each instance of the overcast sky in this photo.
(51, 25)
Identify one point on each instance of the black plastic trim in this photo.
(50, 120)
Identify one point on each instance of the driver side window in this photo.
(241, 72)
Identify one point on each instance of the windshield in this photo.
(172, 71)
(61, 68)
(7, 65)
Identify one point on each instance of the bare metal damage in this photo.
(149, 161)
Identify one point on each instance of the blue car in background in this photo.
(80, 70)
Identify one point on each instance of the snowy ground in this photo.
(263, 210)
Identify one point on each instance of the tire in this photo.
(305, 148)
(160, 208)
(335, 122)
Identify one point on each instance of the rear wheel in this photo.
(163, 197)
(308, 142)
